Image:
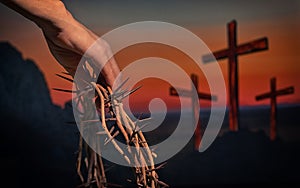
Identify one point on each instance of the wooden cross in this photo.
(232, 53)
(195, 107)
(273, 95)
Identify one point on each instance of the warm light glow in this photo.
(255, 70)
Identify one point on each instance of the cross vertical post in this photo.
(273, 94)
(196, 113)
(233, 77)
(273, 115)
(232, 53)
(195, 107)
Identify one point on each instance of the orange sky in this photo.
(255, 70)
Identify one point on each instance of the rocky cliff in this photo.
(37, 146)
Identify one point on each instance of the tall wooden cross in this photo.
(273, 95)
(232, 52)
(195, 107)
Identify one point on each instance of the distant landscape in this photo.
(38, 145)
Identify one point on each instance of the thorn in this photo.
(115, 95)
(141, 180)
(87, 83)
(119, 94)
(111, 130)
(101, 133)
(64, 90)
(145, 120)
(154, 148)
(162, 183)
(110, 119)
(113, 136)
(161, 165)
(113, 185)
(141, 127)
(130, 92)
(84, 91)
(135, 126)
(132, 136)
(66, 73)
(108, 168)
(121, 85)
(63, 77)
(154, 155)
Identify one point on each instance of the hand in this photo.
(68, 40)
(73, 41)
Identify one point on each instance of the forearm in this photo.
(50, 15)
(56, 22)
(40, 11)
(62, 31)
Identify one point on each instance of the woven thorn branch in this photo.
(113, 122)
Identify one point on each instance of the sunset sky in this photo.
(277, 20)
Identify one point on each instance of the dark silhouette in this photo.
(38, 148)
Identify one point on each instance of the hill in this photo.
(37, 146)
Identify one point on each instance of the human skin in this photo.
(67, 39)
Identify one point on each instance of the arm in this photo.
(67, 39)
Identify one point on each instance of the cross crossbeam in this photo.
(232, 53)
(195, 107)
(273, 94)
